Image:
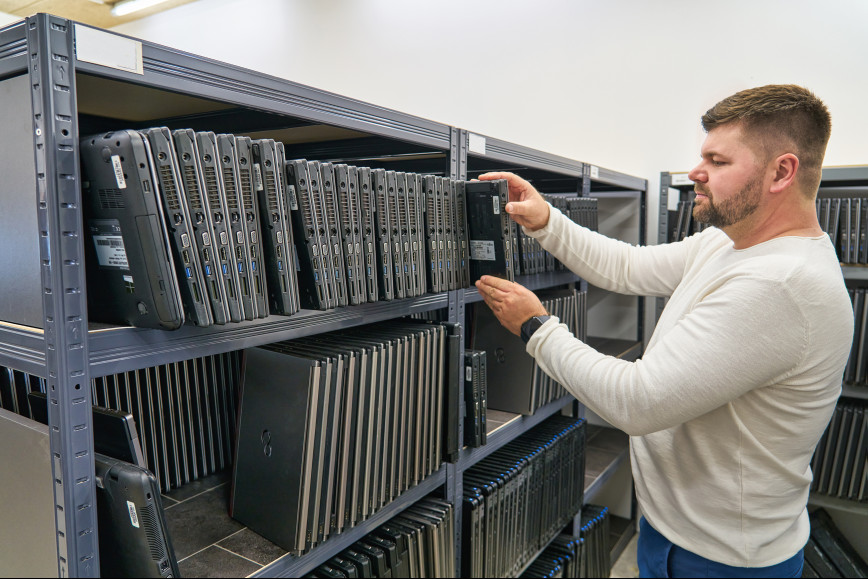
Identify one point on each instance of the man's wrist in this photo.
(532, 325)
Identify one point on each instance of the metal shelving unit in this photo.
(73, 80)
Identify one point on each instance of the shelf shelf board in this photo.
(851, 271)
(837, 504)
(851, 391)
(628, 350)
(533, 282)
(605, 450)
(122, 349)
(508, 431)
(290, 566)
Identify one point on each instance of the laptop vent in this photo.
(169, 188)
(231, 191)
(246, 189)
(212, 188)
(111, 199)
(192, 184)
(271, 188)
(152, 527)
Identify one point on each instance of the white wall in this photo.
(8, 19)
(617, 83)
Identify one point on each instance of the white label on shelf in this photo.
(476, 143)
(468, 373)
(134, 518)
(482, 250)
(595, 172)
(110, 251)
(107, 49)
(672, 199)
(119, 172)
(679, 179)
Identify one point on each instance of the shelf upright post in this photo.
(662, 231)
(586, 180)
(454, 480)
(51, 62)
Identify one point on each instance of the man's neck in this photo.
(765, 225)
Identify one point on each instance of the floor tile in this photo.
(217, 562)
(201, 521)
(252, 546)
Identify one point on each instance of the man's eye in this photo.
(718, 163)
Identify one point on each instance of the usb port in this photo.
(222, 254)
(186, 256)
(208, 270)
(252, 266)
(279, 252)
(189, 272)
(206, 254)
(279, 266)
(238, 253)
(225, 269)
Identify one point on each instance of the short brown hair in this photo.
(780, 118)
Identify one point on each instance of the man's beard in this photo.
(729, 211)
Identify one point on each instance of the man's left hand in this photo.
(512, 303)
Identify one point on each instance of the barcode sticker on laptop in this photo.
(482, 250)
(119, 172)
(134, 518)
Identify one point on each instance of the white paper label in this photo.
(110, 251)
(672, 199)
(257, 177)
(495, 205)
(482, 250)
(293, 200)
(595, 172)
(468, 374)
(119, 172)
(476, 143)
(107, 49)
(679, 179)
(134, 518)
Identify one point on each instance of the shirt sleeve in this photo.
(614, 265)
(746, 334)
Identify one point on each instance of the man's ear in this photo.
(785, 168)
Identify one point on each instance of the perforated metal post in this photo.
(52, 75)
(454, 484)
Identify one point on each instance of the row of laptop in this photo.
(217, 228)
(338, 425)
(420, 542)
(520, 497)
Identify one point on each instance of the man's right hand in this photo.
(526, 206)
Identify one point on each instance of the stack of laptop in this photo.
(520, 497)
(596, 558)
(186, 226)
(828, 553)
(475, 397)
(522, 386)
(562, 558)
(840, 462)
(417, 543)
(335, 426)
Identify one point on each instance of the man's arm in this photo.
(607, 263)
(747, 334)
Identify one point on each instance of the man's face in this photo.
(728, 181)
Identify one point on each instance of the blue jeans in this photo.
(657, 556)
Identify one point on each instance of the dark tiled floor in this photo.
(207, 541)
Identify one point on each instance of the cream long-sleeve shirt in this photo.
(735, 388)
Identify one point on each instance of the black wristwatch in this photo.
(531, 326)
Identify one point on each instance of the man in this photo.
(742, 373)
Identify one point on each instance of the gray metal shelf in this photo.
(70, 353)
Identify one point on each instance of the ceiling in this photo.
(94, 12)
